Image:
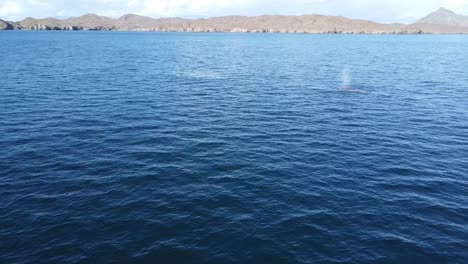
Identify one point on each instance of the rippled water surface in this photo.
(233, 148)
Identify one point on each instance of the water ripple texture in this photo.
(122, 147)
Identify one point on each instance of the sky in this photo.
(386, 11)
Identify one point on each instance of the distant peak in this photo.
(444, 16)
(90, 15)
(136, 18)
(444, 10)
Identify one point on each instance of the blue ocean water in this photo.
(122, 147)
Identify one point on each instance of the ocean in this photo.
(126, 147)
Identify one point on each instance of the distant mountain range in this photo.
(442, 21)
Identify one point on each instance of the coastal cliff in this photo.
(439, 22)
(5, 25)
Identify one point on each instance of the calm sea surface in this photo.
(233, 148)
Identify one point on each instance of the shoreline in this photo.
(231, 32)
(304, 24)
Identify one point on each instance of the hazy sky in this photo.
(378, 10)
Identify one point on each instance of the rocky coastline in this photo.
(431, 24)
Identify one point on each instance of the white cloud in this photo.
(379, 10)
(456, 5)
(184, 7)
(10, 8)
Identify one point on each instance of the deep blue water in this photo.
(233, 148)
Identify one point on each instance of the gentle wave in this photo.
(227, 148)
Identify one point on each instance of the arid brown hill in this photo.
(445, 17)
(435, 23)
